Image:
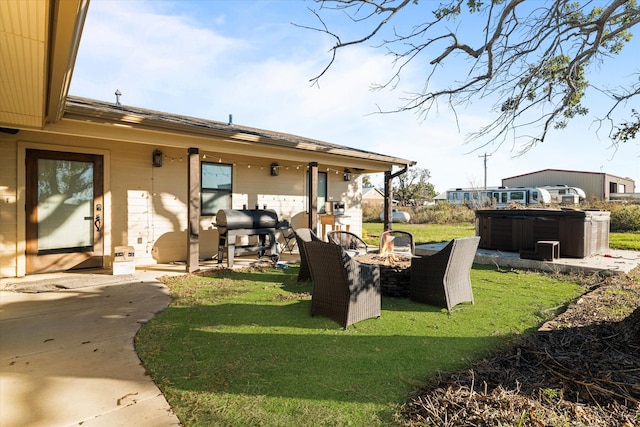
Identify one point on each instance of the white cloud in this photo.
(198, 66)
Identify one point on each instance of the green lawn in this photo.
(433, 233)
(422, 233)
(628, 241)
(240, 348)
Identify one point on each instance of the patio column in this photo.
(313, 196)
(388, 194)
(193, 210)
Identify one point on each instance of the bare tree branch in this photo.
(531, 59)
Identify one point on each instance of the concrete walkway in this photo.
(67, 357)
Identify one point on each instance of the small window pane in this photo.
(213, 202)
(216, 186)
(322, 190)
(216, 176)
(517, 195)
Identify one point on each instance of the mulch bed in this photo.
(581, 369)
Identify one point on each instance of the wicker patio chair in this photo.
(343, 289)
(402, 241)
(442, 279)
(350, 242)
(304, 235)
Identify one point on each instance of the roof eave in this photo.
(112, 115)
(67, 22)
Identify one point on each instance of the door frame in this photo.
(21, 244)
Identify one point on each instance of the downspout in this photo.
(388, 177)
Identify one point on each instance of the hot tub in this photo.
(580, 233)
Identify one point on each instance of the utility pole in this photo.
(485, 155)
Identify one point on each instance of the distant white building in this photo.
(598, 185)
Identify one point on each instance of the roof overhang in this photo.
(39, 40)
(102, 120)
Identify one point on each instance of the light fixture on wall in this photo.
(156, 159)
(347, 175)
(275, 169)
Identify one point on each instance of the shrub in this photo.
(371, 213)
(442, 213)
(625, 218)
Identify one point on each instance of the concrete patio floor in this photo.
(67, 357)
(611, 262)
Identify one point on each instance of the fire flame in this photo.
(387, 254)
(387, 244)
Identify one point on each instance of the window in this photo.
(322, 190)
(517, 196)
(215, 183)
(613, 187)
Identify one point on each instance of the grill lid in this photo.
(233, 219)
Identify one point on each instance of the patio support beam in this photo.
(193, 210)
(313, 196)
(388, 196)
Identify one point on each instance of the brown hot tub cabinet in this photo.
(580, 233)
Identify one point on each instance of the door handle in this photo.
(97, 223)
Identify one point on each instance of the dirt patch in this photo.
(581, 369)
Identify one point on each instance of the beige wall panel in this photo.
(8, 207)
(351, 194)
(283, 193)
(148, 206)
(286, 193)
(149, 203)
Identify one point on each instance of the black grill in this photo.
(246, 222)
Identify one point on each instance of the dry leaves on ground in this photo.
(581, 369)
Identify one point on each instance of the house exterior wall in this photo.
(618, 185)
(8, 207)
(146, 206)
(595, 185)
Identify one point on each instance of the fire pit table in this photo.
(395, 272)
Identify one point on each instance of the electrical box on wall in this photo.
(124, 260)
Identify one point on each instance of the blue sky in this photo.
(210, 59)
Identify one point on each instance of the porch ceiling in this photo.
(38, 44)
